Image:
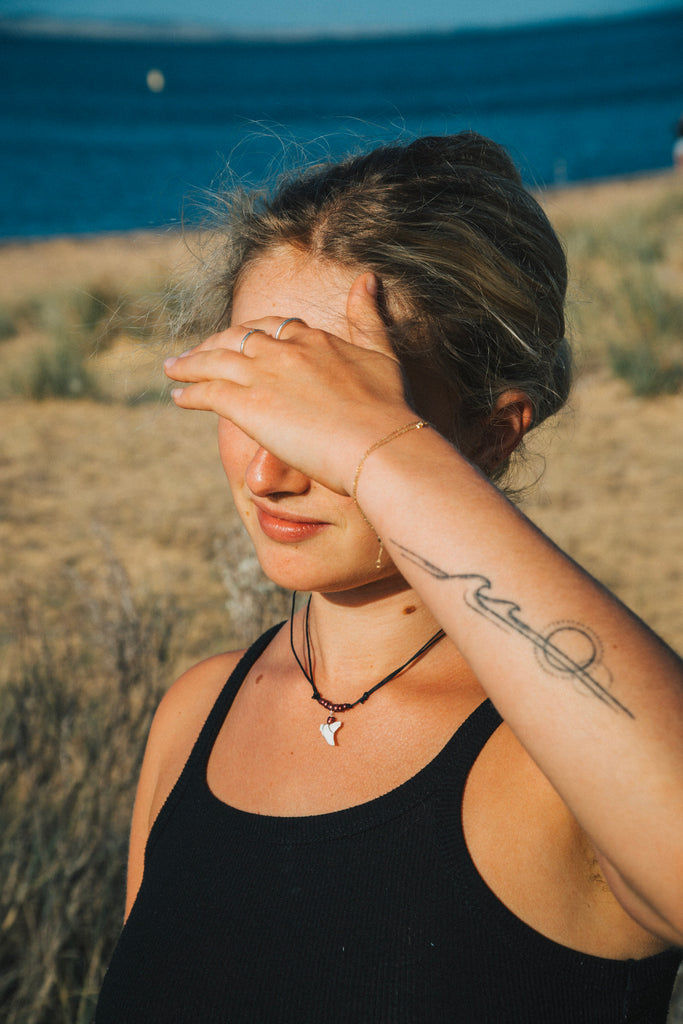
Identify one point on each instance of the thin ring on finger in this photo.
(289, 320)
(254, 330)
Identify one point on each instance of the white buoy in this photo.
(155, 80)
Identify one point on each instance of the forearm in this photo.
(592, 694)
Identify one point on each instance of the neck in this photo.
(357, 638)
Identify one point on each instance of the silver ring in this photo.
(254, 330)
(289, 320)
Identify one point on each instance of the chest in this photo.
(374, 912)
(271, 759)
(278, 754)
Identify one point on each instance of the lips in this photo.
(286, 527)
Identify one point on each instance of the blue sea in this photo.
(88, 146)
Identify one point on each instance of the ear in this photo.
(512, 416)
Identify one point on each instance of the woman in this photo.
(478, 816)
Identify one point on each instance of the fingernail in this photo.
(174, 359)
(176, 393)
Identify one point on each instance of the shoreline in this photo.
(141, 257)
(617, 181)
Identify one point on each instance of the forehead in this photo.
(286, 283)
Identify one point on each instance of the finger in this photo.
(281, 328)
(228, 339)
(209, 364)
(209, 396)
(232, 337)
(234, 340)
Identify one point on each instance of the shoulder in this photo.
(179, 718)
(194, 693)
(174, 731)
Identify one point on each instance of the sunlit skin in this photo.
(316, 410)
(306, 536)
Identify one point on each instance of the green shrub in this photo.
(626, 317)
(646, 372)
(643, 352)
(8, 324)
(60, 371)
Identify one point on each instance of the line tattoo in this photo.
(566, 649)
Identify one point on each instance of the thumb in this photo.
(366, 327)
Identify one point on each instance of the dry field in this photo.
(82, 478)
(121, 562)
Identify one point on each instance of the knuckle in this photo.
(213, 390)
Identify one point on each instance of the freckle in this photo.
(258, 679)
(409, 609)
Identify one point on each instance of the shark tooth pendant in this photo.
(329, 728)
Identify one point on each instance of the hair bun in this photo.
(466, 148)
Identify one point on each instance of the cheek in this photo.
(236, 451)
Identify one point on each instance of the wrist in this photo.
(392, 436)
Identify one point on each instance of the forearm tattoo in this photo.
(566, 649)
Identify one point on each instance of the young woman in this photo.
(451, 787)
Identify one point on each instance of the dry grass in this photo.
(119, 552)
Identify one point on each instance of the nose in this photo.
(268, 476)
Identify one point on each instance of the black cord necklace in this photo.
(329, 728)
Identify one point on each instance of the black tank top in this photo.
(371, 915)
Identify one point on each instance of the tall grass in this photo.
(627, 310)
(74, 713)
(77, 696)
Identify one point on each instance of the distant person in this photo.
(678, 144)
(450, 788)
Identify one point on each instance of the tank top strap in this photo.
(195, 767)
(204, 743)
(459, 755)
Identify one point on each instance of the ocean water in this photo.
(89, 147)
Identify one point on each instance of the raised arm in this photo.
(592, 694)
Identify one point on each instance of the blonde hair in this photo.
(472, 276)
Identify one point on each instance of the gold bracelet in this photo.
(373, 448)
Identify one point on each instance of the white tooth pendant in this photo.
(329, 728)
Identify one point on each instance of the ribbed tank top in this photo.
(374, 914)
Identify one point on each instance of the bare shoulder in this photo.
(195, 691)
(179, 718)
(175, 728)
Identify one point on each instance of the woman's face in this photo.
(306, 537)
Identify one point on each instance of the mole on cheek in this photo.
(409, 609)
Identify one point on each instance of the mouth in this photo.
(287, 527)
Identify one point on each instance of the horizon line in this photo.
(129, 29)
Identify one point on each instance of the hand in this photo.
(312, 399)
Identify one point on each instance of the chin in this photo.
(309, 576)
